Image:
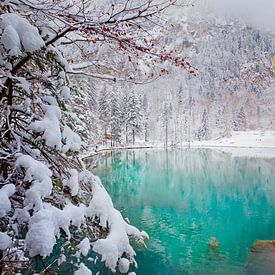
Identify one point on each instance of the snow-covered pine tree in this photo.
(133, 115)
(166, 116)
(104, 111)
(239, 122)
(145, 117)
(116, 121)
(203, 130)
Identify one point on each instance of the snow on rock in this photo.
(117, 242)
(84, 246)
(5, 241)
(50, 126)
(83, 270)
(123, 265)
(72, 182)
(5, 205)
(40, 176)
(18, 31)
(72, 140)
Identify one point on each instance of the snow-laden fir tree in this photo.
(203, 130)
(240, 121)
(117, 117)
(134, 116)
(166, 116)
(104, 111)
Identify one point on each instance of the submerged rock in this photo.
(213, 243)
(261, 258)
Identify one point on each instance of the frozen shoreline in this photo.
(240, 144)
(243, 144)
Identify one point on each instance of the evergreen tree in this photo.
(145, 117)
(104, 111)
(134, 115)
(116, 120)
(166, 116)
(240, 121)
(203, 131)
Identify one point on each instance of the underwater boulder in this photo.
(261, 259)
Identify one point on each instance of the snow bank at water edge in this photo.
(243, 144)
(255, 139)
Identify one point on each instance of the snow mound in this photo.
(18, 33)
(5, 205)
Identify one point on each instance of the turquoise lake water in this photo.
(182, 198)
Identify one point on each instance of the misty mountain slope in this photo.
(233, 89)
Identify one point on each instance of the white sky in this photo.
(260, 13)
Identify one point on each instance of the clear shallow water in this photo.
(182, 198)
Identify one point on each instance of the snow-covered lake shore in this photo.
(248, 139)
(241, 143)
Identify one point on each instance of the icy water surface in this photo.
(182, 198)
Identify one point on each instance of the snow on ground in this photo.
(250, 139)
(241, 143)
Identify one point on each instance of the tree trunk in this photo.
(133, 133)
(166, 134)
(126, 134)
(146, 132)
(105, 138)
(112, 142)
